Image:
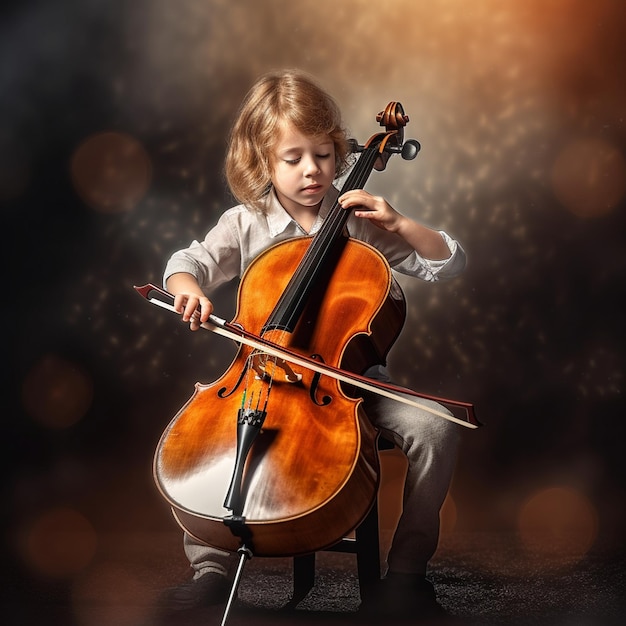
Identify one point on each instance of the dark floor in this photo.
(481, 579)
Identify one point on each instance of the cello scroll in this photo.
(394, 119)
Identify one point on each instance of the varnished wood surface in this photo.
(311, 474)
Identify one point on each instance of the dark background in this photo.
(114, 120)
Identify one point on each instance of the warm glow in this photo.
(58, 544)
(111, 172)
(111, 594)
(589, 177)
(56, 393)
(559, 523)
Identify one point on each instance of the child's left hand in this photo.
(374, 208)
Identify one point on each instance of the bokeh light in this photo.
(111, 172)
(56, 393)
(558, 522)
(58, 544)
(519, 107)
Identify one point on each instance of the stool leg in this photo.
(368, 550)
(303, 577)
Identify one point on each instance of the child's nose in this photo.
(311, 166)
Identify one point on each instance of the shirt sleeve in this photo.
(403, 258)
(433, 270)
(213, 261)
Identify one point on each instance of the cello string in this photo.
(321, 244)
(326, 238)
(303, 278)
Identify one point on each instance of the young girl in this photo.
(286, 148)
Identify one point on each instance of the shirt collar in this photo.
(278, 220)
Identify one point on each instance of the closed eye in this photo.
(296, 161)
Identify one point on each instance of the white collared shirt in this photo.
(241, 234)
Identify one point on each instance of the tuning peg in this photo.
(410, 148)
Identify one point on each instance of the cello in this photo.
(277, 457)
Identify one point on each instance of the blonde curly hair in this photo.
(288, 96)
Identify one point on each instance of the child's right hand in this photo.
(195, 309)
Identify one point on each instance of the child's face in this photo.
(303, 169)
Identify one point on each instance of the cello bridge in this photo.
(278, 370)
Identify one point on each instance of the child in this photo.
(286, 148)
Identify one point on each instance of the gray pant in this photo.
(430, 444)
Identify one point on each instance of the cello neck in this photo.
(322, 254)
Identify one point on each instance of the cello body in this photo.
(311, 474)
(274, 459)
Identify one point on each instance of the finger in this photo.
(350, 198)
(190, 309)
(368, 214)
(206, 308)
(179, 303)
(353, 204)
